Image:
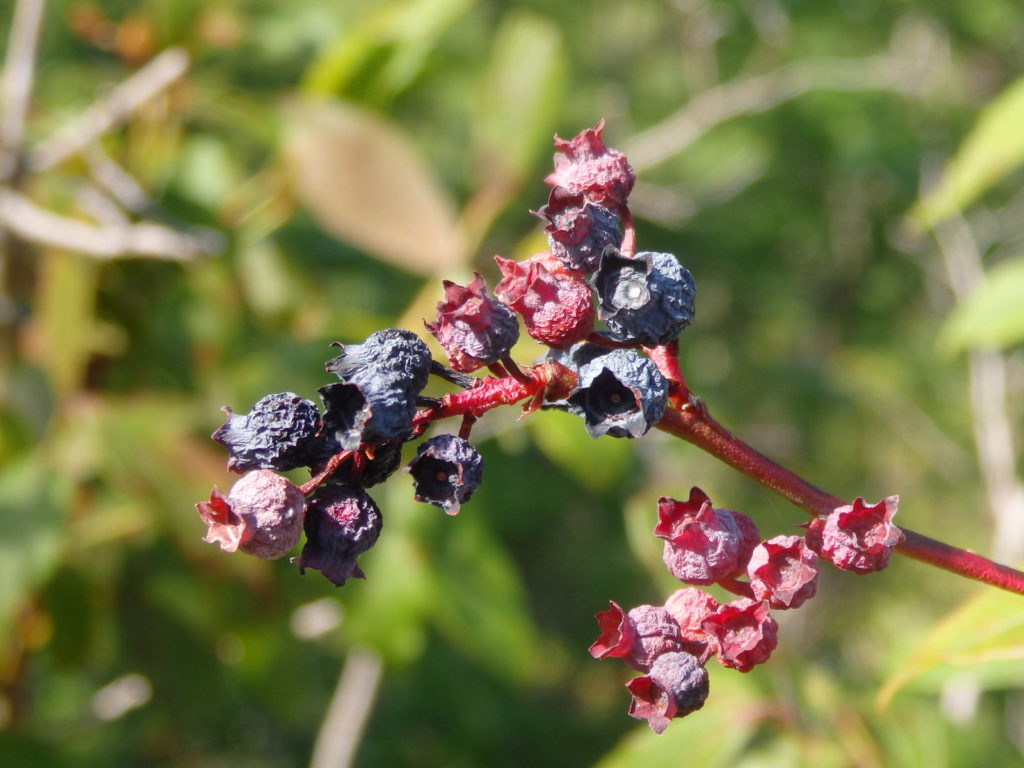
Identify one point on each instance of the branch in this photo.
(695, 425)
(30, 222)
(707, 110)
(18, 76)
(110, 111)
(348, 711)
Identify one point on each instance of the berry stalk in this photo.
(694, 424)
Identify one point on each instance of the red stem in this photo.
(694, 424)
(628, 248)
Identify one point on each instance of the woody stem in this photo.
(694, 424)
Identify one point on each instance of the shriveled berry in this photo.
(783, 572)
(474, 329)
(689, 607)
(620, 392)
(261, 515)
(857, 537)
(361, 470)
(742, 633)
(675, 686)
(374, 411)
(446, 471)
(702, 544)
(399, 356)
(637, 637)
(647, 298)
(557, 310)
(578, 230)
(584, 165)
(277, 433)
(341, 524)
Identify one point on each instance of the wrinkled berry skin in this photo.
(857, 537)
(690, 607)
(702, 544)
(578, 230)
(359, 470)
(637, 637)
(783, 572)
(261, 515)
(341, 524)
(399, 356)
(585, 166)
(742, 634)
(446, 471)
(647, 299)
(279, 433)
(373, 412)
(474, 329)
(620, 393)
(675, 686)
(557, 310)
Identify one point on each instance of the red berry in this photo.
(690, 607)
(637, 637)
(783, 571)
(474, 329)
(584, 165)
(857, 537)
(557, 309)
(702, 544)
(742, 633)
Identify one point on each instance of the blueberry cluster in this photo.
(610, 317)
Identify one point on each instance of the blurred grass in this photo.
(816, 337)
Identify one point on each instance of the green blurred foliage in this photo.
(352, 154)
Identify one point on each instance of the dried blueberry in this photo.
(399, 356)
(446, 471)
(373, 412)
(620, 392)
(647, 298)
(578, 230)
(278, 433)
(341, 524)
(474, 328)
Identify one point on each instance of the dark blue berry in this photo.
(398, 356)
(446, 471)
(620, 392)
(647, 299)
(578, 230)
(278, 433)
(361, 472)
(374, 411)
(341, 523)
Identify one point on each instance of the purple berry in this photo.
(278, 433)
(474, 328)
(647, 299)
(578, 230)
(446, 471)
(676, 685)
(341, 524)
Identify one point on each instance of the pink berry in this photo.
(702, 544)
(783, 571)
(584, 165)
(557, 309)
(857, 537)
(261, 515)
(742, 634)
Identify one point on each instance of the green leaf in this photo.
(522, 94)
(993, 148)
(596, 464)
(385, 52)
(985, 630)
(993, 314)
(483, 603)
(367, 184)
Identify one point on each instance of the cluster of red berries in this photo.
(610, 317)
(703, 546)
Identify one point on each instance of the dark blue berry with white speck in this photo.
(341, 523)
(446, 471)
(621, 393)
(278, 433)
(373, 412)
(647, 299)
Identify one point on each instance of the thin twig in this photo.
(751, 95)
(117, 182)
(17, 79)
(996, 453)
(32, 223)
(350, 707)
(110, 110)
